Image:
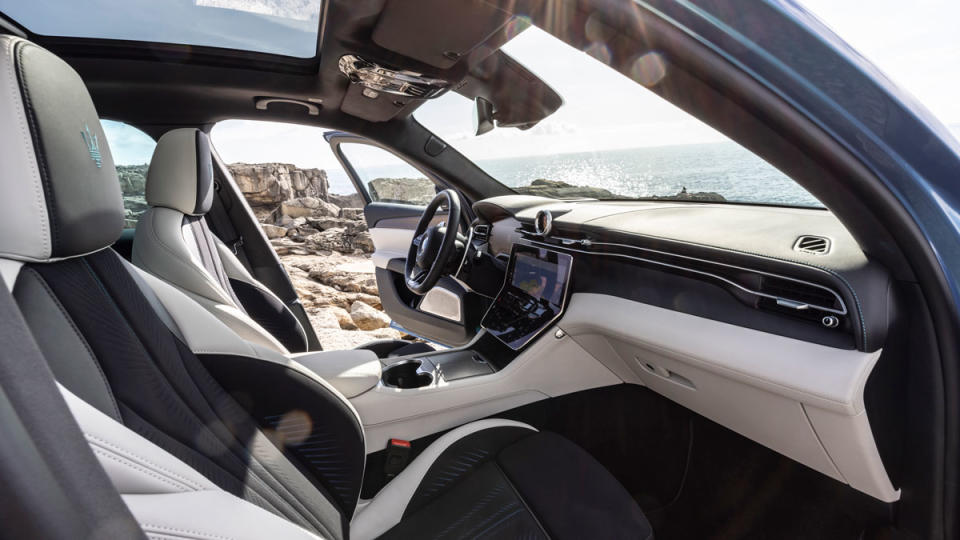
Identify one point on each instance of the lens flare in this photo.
(599, 51)
(649, 69)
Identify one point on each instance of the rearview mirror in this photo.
(482, 116)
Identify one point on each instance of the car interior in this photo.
(598, 368)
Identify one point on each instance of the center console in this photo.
(533, 295)
(444, 366)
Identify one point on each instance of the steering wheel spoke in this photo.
(418, 273)
(433, 247)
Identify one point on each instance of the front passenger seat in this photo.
(174, 243)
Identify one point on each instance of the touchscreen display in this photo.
(532, 297)
(539, 278)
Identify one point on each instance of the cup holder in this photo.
(406, 374)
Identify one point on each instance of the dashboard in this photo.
(767, 320)
(790, 272)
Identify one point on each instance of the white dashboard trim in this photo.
(800, 399)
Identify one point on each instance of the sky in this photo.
(914, 43)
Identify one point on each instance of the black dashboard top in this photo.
(757, 252)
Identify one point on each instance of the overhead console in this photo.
(533, 295)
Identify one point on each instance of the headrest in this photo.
(59, 193)
(181, 172)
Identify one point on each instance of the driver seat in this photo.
(174, 243)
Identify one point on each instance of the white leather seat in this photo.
(174, 243)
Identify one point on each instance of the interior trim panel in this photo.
(800, 399)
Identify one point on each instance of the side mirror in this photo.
(482, 116)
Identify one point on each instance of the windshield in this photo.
(611, 139)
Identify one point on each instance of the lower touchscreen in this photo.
(532, 297)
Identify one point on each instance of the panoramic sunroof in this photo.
(284, 27)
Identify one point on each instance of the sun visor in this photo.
(462, 54)
(410, 27)
(520, 99)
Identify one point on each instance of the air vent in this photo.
(800, 293)
(801, 300)
(481, 234)
(815, 245)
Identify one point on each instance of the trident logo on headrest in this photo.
(92, 145)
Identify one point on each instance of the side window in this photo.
(131, 150)
(280, 167)
(386, 177)
(313, 216)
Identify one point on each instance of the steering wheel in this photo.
(433, 247)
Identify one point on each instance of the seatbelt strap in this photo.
(219, 216)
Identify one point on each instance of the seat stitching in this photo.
(195, 534)
(478, 505)
(523, 501)
(83, 340)
(517, 508)
(126, 453)
(131, 465)
(273, 508)
(24, 131)
(40, 155)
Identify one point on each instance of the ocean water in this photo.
(723, 168)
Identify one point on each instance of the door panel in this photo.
(391, 229)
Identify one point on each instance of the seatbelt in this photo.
(220, 224)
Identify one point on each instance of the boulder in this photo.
(315, 294)
(403, 190)
(342, 239)
(367, 318)
(343, 317)
(333, 339)
(133, 207)
(557, 189)
(344, 280)
(308, 207)
(269, 184)
(273, 231)
(324, 223)
(323, 317)
(353, 200)
(133, 179)
(351, 213)
(684, 195)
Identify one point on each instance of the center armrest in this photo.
(352, 372)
